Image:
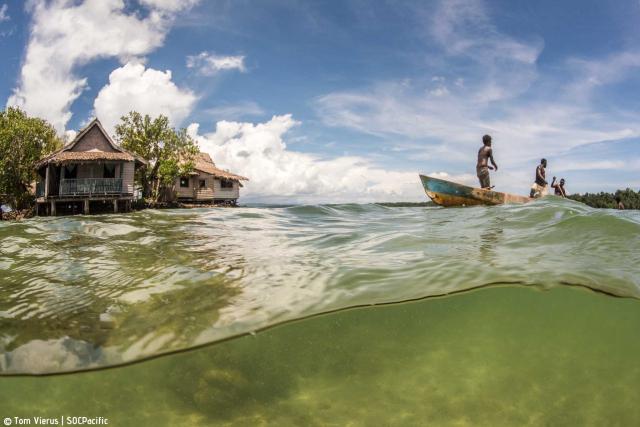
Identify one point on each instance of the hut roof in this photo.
(64, 154)
(204, 163)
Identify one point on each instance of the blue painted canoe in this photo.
(446, 193)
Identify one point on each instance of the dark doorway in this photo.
(109, 170)
(70, 171)
(54, 179)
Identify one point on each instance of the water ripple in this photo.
(131, 286)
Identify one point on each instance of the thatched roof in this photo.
(64, 154)
(203, 163)
(61, 156)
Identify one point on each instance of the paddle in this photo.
(561, 190)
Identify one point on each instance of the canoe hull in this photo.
(446, 193)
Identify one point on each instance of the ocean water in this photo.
(325, 315)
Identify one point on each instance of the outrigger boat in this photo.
(446, 193)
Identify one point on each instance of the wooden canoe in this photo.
(446, 193)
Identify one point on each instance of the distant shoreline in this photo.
(407, 204)
(630, 199)
(386, 204)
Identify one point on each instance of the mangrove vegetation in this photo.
(23, 141)
(630, 199)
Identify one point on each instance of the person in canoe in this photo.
(559, 187)
(482, 168)
(540, 186)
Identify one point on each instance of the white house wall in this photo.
(127, 177)
(205, 193)
(226, 193)
(211, 191)
(185, 192)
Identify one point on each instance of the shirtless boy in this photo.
(541, 182)
(482, 168)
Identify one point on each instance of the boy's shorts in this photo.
(483, 176)
(541, 188)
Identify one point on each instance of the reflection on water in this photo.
(105, 289)
(505, 356)
(489, 238)
(100, 290)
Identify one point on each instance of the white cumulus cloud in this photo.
(276, 173)
(3, 13)
(145, 90)
(440, 91)
(209, 64)
(170, 5)
(65, 34)
(69, 136)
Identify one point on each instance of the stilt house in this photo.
(89, 168)
(209, 184)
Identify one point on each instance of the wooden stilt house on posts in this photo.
(89, 168)
(209, 184)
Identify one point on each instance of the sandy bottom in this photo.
(496, 357)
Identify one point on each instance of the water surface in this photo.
(92, 291)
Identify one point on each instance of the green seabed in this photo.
(504, 356)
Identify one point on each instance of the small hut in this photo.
(90, 168)
(208, 184)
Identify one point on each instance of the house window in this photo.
(201, 183)
(226, 184)
(109, 171)
(184, 182)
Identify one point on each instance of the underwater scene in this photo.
(347, 315)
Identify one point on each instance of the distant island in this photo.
(630, 199)
(407, 204)
(387, 204)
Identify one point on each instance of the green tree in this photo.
(23, 141)
(170, 153)
(630, 199)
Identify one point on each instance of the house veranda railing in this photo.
(90, 186)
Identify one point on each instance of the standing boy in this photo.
(541, 182)
(482, 168)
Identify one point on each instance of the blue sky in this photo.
(339, 101)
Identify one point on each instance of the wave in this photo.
(139, 285)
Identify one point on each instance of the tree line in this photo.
(630, 199)
(169, 152)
